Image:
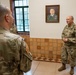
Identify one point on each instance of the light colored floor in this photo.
(47, 68)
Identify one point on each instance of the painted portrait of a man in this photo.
(52, 14)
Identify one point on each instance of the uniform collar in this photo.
(2, 30)
(72, 25)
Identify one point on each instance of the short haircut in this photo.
(72, 17)
(3, 11)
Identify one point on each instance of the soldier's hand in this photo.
(65, 39)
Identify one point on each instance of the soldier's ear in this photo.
(7, 18)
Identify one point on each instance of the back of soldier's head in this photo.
(3, 12)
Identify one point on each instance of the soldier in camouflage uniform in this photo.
(69, 45)
(11, 45)
(13, 29)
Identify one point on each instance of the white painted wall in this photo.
(5, 2)
(39, 28)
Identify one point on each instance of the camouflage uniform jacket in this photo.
(70, 33)
(10, 46)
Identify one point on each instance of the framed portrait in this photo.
(52, 13)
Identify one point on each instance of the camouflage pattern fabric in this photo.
(10, 52)
(13, 29)
(69, 47)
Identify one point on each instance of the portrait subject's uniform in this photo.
(52, 17)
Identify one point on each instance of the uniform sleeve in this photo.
(48, 18)
(24, 55)
(63, 34)
(24, 46)
(73, 40)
